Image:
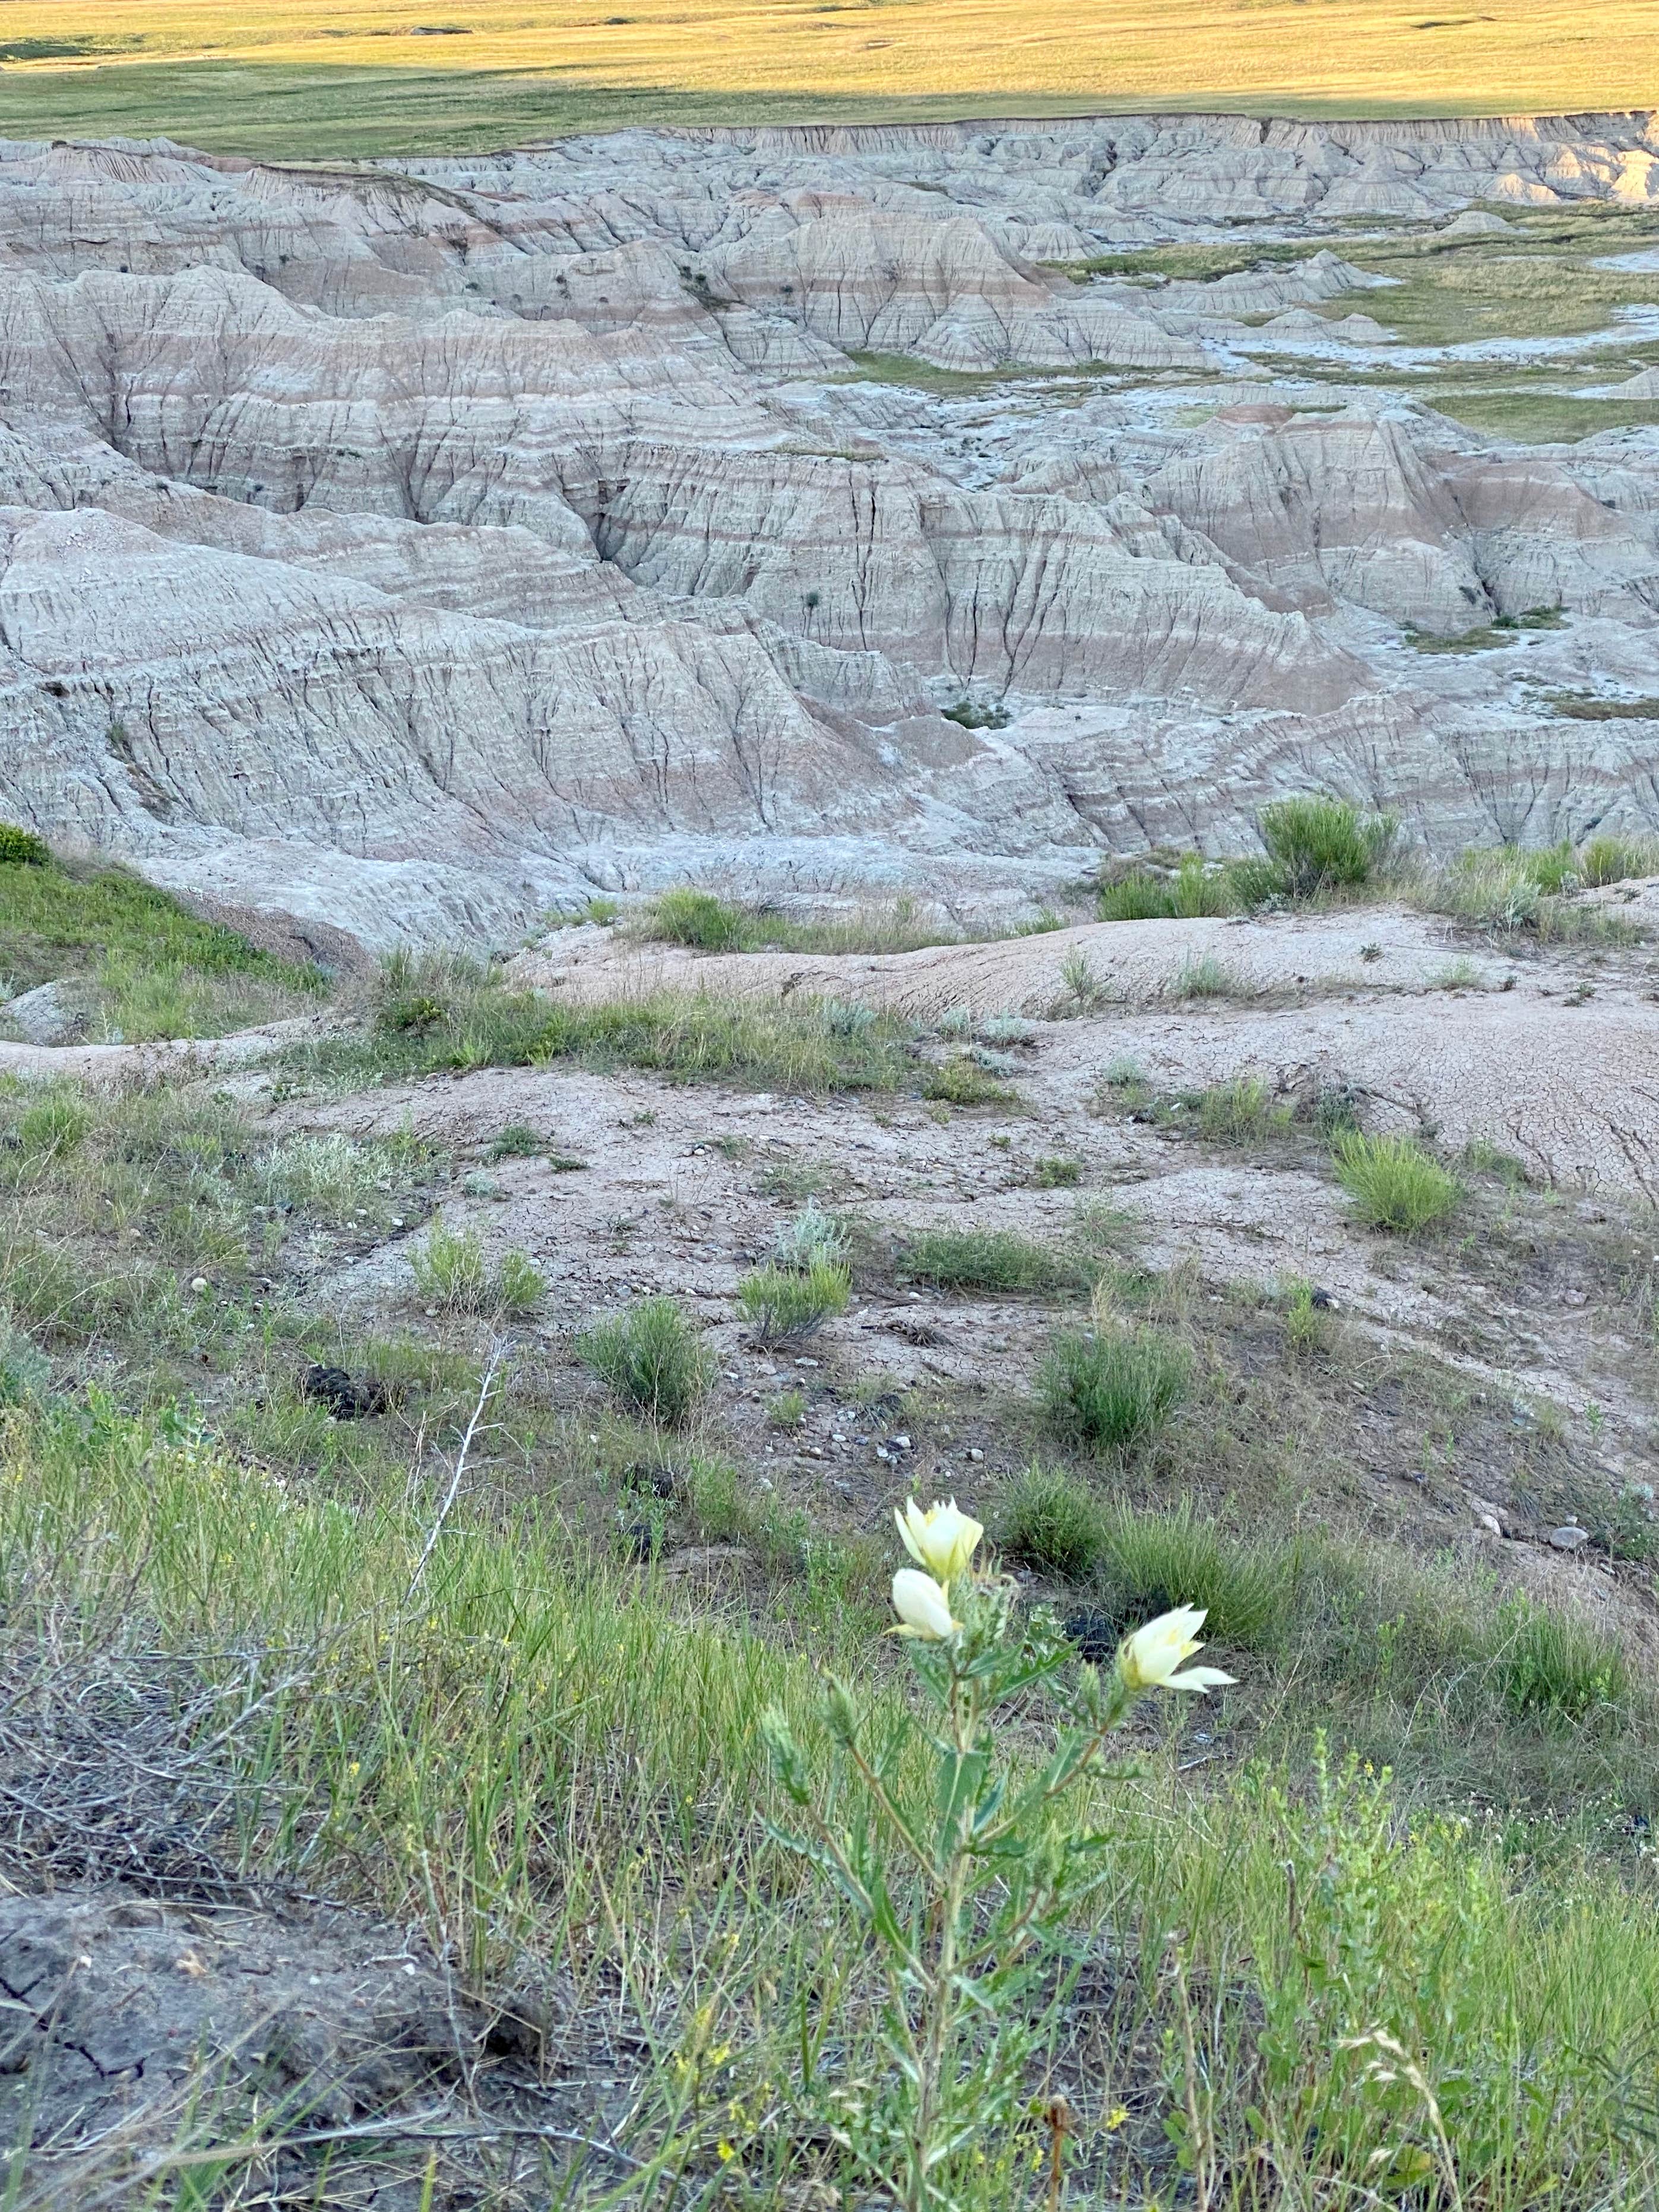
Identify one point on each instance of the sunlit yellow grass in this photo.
(368, 75)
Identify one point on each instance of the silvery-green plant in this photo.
(970, 1892)
(812, 1236)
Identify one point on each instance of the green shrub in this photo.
(784, 1305)
(651, 1360)
(1155, 1561)
(1323, 844)
(519, 1286)
(1393, 1183)
(21, 847)
(1555, 1668)
(1053, 1173)
(1111, 1391)
(787, 1410)
(988, 1259)
(1615, 860)
(697, 918)
(962, 1082)
(450, 1271)
(1136, 895)
(1050, 1521)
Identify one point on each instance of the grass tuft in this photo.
(1051, 1522)
(1111, 1391)
(651, 1360)
(1556, 1667)
(785, 1305)
(1155, 1561)
(1393, 1183)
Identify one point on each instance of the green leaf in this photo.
(961, 1777)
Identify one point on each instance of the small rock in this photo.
(47, 1015)
(898, 1443)
(973, 1452)
(1569, 1538)
(1490, 1523)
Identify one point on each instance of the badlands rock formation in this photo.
(415, 550)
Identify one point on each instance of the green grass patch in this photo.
(1485, 637)
(991, 1259)
(1530, 286)
(651, 1359)
(1111, 1390)
(1517, 889)
(1394, 1184)
(1195, 888)
(709, 923)
(436, 1015)
(139, 963)
(1585, 707)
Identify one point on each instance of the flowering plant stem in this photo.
(970, 1893)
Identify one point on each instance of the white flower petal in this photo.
(1198, 1677)
(922, 1605)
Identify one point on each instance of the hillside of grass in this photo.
(391, 1574)
(136, 963)
(381, 77)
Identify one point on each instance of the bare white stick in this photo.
(497, 1355)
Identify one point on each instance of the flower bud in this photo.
(923, 1607)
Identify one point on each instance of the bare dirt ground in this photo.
(1553, 1054)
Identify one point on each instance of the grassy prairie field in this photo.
(450, 1582)
(380, 77)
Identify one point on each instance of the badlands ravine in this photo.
(822, 511)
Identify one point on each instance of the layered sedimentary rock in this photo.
(412, 548)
